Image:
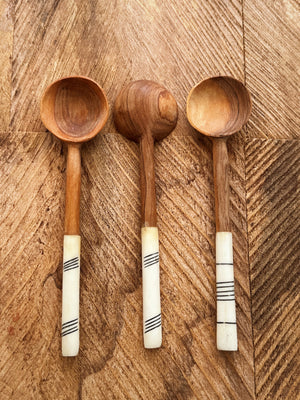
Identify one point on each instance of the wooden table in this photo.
(176, 43)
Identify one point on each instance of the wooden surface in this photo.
(176, 43)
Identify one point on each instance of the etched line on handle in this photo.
(71, 264)
(225, 291)
(69, 327)
(153, 323)
(225, 299)
(67, 324)
(151, 259)
(224, 263)
(224, 322)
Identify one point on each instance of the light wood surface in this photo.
(177, 44)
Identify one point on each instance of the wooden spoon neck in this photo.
(73, 181)
(221, 183)
(148, 195)
(74, 147)
(146, 144)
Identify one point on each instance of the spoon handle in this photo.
(148, 195)
(70, 296)
(150, 247)
(71, 256)
(226, 314)
(151, 288)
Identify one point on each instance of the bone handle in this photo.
(70, 296)
(226, 315)
(151, 288)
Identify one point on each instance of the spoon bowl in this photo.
(145, 106)
(218, 106)
(74, 109)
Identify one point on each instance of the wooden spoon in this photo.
(74, 109)
(218, 107)
(144, 112)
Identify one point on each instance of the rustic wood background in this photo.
(176, 43)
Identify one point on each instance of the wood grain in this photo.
(176, 44)
(147, 179)
(188, 365)
(73, 180)
(6, 48)
(30, 287)
(272, 58)
(221, 184)
(273, 170)
(207, 37)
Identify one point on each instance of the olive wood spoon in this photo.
(144, 112)
(218, 107)
(74, 109)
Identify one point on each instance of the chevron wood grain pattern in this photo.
(177, 44)
(30, 291)
(188, 365)
(273, 170)
(272, 58)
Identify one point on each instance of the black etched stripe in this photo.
(150, 320)
(224, 291)
(151, 259)
(66, 324)
(69, 327)
(69, 324)
(153, 262)
(225, 299)
(153, 327)
(71, 264)
(150, 255)
(71, 261)
(153, 323)
(224, 263)
(223, 322)
(72, 330)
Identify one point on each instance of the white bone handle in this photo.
(70, 296)
(151, 288)
(226, 315)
